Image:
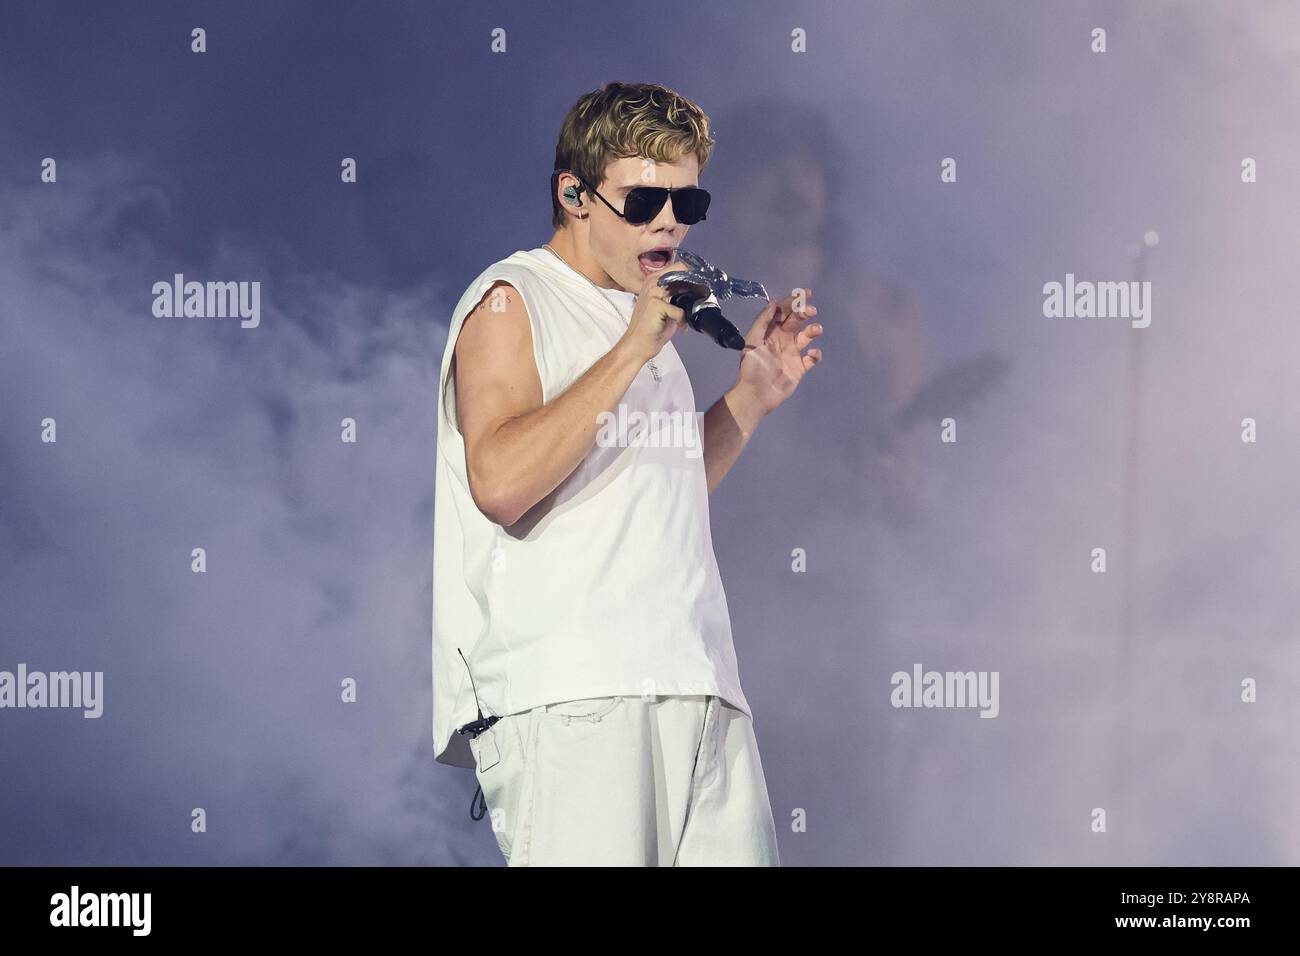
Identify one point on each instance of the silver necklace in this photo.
(654, 369)
(547, 245)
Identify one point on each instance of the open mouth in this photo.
(655, 259)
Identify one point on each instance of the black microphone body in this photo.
(704, 315)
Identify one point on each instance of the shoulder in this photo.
(502, 287)
(498, 322)
(499, 295)
(522, 278)
(519, 269)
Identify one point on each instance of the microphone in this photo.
(700, 286)
(704, 315)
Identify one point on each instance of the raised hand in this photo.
(774, 362)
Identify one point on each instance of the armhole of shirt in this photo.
(512, 279)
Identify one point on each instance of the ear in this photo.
(568, 186)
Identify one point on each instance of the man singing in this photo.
(582, 653)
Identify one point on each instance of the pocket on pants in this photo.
(502, 780)
(588, 708)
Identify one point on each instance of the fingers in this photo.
(811, 358)
(779, 315)
(806, 335)
(786, 307)
(673, 316)
(787, 304)
(651, 284)
(782, 315)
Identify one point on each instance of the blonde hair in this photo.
(628, 119)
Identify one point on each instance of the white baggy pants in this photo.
(627, 781)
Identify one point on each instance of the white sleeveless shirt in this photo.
(610, 586)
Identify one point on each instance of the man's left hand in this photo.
(773, 362)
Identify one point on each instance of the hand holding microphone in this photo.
(696, 290)
(687, 291)
(770, 370)
(654, 318)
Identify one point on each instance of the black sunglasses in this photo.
(642, 203)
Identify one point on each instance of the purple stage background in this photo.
(1120, 691)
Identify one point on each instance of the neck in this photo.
(573, 248)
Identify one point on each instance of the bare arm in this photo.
(771, 368)
(728, 427)
(517, 449)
